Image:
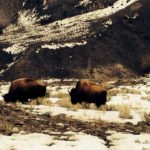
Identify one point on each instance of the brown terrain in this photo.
(122, 50)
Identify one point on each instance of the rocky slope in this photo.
(79, 38)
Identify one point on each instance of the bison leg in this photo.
(97, 104)
(100, 99)
(23, 100)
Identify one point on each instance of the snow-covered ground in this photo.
(73, 141)
(135, 97)
(37, 141)
(122, 141)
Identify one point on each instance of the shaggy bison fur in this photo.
(89, 92)
(24, 89)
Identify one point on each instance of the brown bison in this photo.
(86, 91)
(24, 89)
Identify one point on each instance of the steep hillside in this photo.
(110, 42)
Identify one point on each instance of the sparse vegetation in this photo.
(115, 91)
(125, 112)
(61, 96)
(146, 117)
(41, 101)
(143, 142)
(147, 97)
(6, 125)
(109, 107)
(64, 103)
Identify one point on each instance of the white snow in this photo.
(15, 49)
(73, 141)
(3, 90)
(58, 46)
(54, 99)
(107, 23)
(38, 141)
(8, 66)
(122, 141)
(84, 3)
(83, 114)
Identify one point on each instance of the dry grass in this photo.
(122, 91)
(115, 91)
(110, 107)
(67, 104)
(124, 110)
(146, 117)
(6, 125)
(61, 96)
(147, 97)
(64, 103)
(41, 101)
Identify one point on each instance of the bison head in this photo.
(7, 97)
(73, 95)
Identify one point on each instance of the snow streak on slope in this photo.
(58, 46)
(15, 49)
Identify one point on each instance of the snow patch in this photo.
(122, 141)
(84, 2)
(34, 141)
(8, 66)
(15, 49)
(58, 46)
(107, 23)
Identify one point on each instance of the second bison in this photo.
(86, 91)
(24, 89)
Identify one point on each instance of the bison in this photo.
(23, 89)
(86, 91)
